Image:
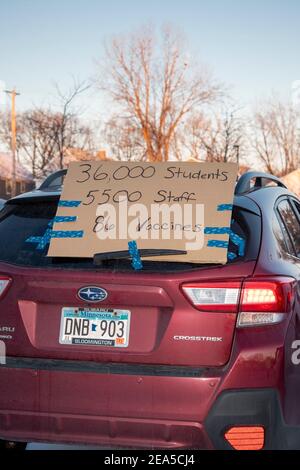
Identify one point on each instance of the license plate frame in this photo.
(112, 318)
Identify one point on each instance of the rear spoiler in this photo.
(33, 197)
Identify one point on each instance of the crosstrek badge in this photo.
(213, 339)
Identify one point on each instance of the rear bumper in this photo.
(65, 401)
(174, 409)
(104, 431)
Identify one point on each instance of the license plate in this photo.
(94, 327)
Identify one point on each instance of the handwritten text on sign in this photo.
(172, 205)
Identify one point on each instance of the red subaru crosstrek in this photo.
(211, 360)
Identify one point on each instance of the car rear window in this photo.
(291, 225)
(18, 222)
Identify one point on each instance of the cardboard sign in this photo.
(171, 205)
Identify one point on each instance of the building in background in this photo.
(292, 181)
(76, 155)
(24, 180)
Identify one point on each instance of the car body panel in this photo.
(157, 304)
(158, 392)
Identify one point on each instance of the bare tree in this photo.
(276, 136)
(5, 131)
(218, 137)
(124, 140)
(40, 139)
(155, 86)
(45, 137)
(68, 128)
(37, 132)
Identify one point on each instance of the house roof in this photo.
(6, 169)
(292, 181)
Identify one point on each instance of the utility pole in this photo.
(13, 95)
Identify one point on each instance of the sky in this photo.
(251, 45)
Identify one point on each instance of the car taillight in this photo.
(4, 284)
(215, 296)
(265, 301)
(246, 437)
(258, 302)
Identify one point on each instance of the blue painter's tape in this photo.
(132, 247)
(137, 264)
(231, 255)
(216, 230)
(239, 242)
(44, 240)
(33, 240)
(224, 207)
(41, 241)
(217, 244)
(234, 237)
(37, 240)
(64, 218)
(136, 261)
(66, 233)
(65, 203)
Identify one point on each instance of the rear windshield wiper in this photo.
(99, 257)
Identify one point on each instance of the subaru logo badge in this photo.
(92, 294)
